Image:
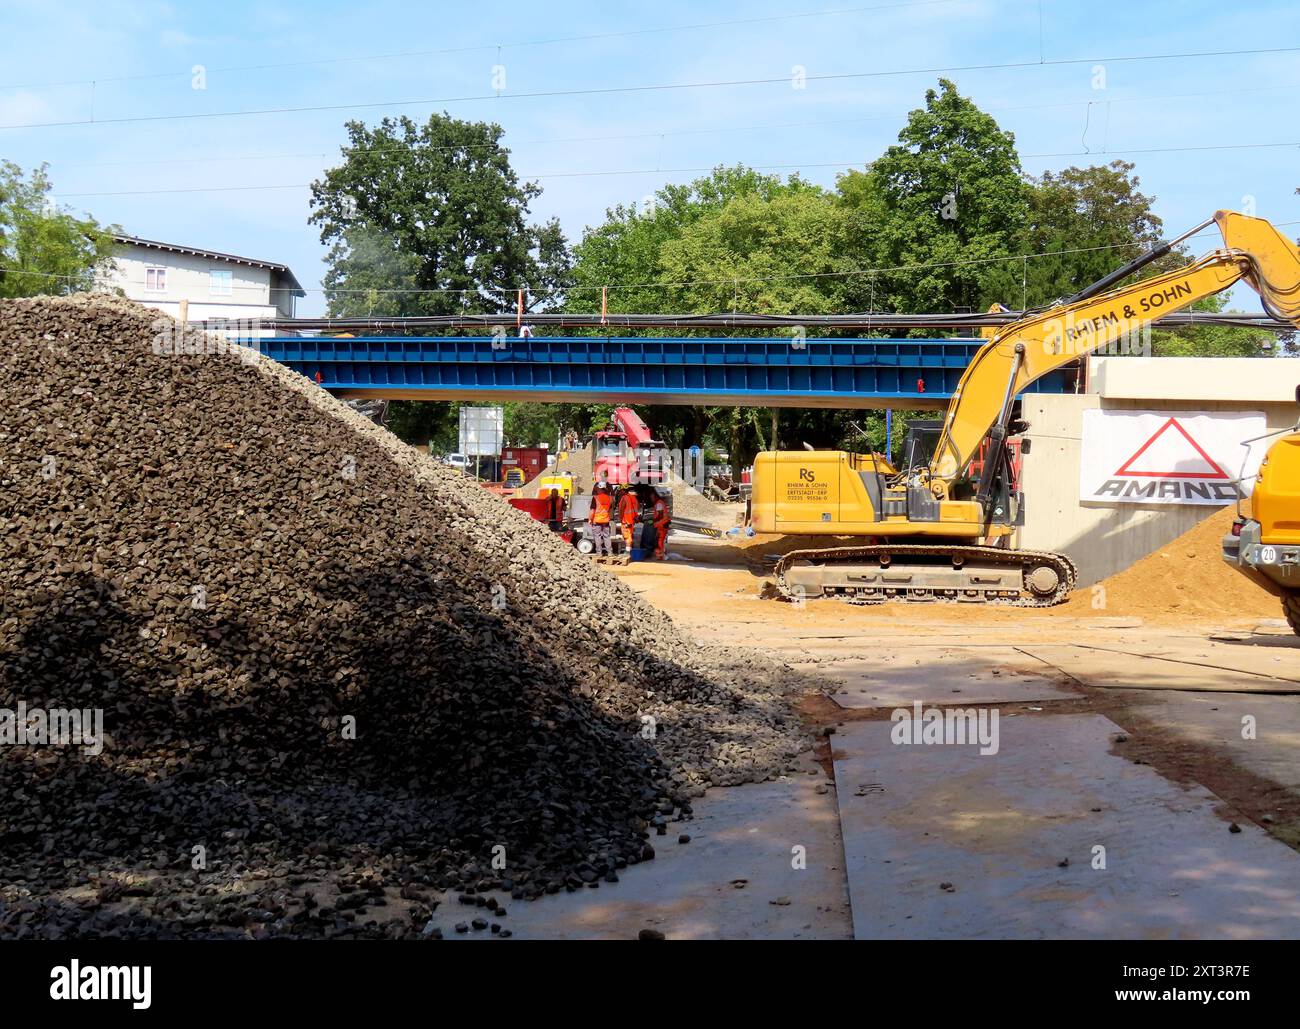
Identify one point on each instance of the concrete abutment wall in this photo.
(1105, 538)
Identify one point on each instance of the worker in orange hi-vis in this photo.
(555, 509)
(662, 520)
(629, 510)
(598, 518)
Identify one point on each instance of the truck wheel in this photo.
(1291, 605)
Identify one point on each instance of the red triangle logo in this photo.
(1215, 471)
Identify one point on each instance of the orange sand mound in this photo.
(1184, 579)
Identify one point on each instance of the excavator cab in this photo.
(1003, 484)
(919, 443)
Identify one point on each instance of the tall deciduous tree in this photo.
(733, 237)
(1083, 223)
(777, 255)
(432, 219)
(45, 249)
(627, 249)
(946, 204)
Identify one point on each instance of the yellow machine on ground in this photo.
(562, 484)
(1265, 542)
(937, 532)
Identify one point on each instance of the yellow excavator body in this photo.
(1264, 543)
(1275, 502)
(820, 492)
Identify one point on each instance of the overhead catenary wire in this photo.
(650, 88)
(545, 291)
(485, 47)
(866, 320)
(397, 147)
(604, 288)
(691, 170)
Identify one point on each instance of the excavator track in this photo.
(884, 572)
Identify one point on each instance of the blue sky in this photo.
(589, 151)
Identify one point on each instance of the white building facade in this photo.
(212, 285)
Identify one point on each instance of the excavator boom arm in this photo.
(1028, 349)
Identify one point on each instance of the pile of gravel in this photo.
(335, 677)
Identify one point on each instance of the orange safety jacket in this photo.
(601, 505)
(660, 512)
(628, 509)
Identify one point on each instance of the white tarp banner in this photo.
(1167, 457)
(481, 429)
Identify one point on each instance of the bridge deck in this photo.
(758, 372)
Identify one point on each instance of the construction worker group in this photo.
(626, 507)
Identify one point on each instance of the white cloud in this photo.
(176, 39)
(23, 107)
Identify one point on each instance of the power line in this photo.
(747, 280)
(480, 47)
(653, 88)
(399, 147)
(1166, 150)
(732, 320)
(734, 280)
(504, 291)
(683, 170)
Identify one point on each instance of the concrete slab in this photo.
(740, 834)
(939, 675)
(1217, 719)
(998, 829)
(1271, 655)
(1103, 667)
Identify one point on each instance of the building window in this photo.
(221, 282)
(155, 280)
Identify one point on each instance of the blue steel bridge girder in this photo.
(756, 372)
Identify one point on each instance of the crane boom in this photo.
(630, 424)
(1028, 349)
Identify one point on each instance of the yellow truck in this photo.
(1264, 543)
(936, 529)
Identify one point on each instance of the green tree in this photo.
(704, 246)
(946, 204)
(1216, 340)
(777, 255)
(529, 424)
(422, 421)
(626, 250)
(525, 423)
(432, 219)
(1089, 221)
(43, 248)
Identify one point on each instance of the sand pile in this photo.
(1184, 579)
(328, 669)
(688, 502)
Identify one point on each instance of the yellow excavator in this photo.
(935, 529)
(1265, 540)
